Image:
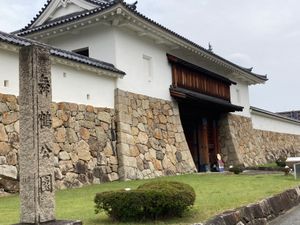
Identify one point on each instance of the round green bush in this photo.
(152, 200)
(236, 169)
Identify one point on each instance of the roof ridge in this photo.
(132, 8)
(68, 18)
(37, 16)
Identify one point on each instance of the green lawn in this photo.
(215, 193)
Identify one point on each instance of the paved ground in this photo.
(290, 218)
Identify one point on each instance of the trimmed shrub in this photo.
(236, 169)
(152, 200)
(281, 161)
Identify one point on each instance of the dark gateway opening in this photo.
(202, 96)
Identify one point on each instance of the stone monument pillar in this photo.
(36, 138)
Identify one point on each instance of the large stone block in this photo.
(104, 116)
(3, 107)
(56, 122)
(12, 158)
(81, 167)
(128, 161)
(3, 135)
(60, 135)
(64, 156)
(84, 133)
(83, 150)
(124, 127)
(71, 136)
(9, 185)
(10, 117)
(4, 148)
(231, 217)
(275, 204)
(2, 160)
(8, 171)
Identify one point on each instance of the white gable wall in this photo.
(62, 11)
(100, 39)
(60, 8)
(145, 64)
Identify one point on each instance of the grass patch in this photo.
(215, 193)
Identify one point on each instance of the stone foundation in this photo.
(142, 138)
(151, 141)
(241, 144)
(84, 146)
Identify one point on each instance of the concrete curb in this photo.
(261, 212)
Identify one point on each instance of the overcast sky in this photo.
(264, 34)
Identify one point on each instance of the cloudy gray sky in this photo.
(264, 34)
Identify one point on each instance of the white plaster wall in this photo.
(71, 85)
(126, 50)
(240, 96)
(130, 50)
(99, 38)
(9, 70)
(69, 9)
(267, 123)
(74, 86)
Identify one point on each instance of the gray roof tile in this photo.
(132, 8)
(20, 41)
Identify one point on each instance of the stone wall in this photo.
(84, 142)
(241, 144)
(151, 141)
(259, 213)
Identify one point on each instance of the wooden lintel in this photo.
(177, 94)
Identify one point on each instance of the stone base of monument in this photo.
(56, 222)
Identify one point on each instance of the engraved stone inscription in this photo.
(44, 85)
(45, 151)
(25, 179)
(46, 183)
(45, 119)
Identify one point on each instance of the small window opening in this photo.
(6, 83)
(238, 95)
(83, 51)
(64, 74)
(88, 96)
(147, 67)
